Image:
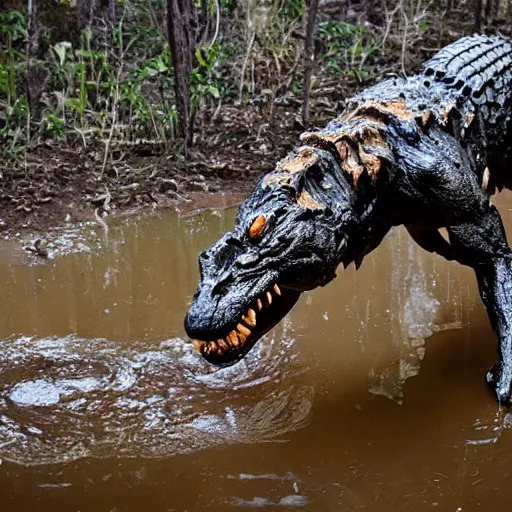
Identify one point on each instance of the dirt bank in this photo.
(54, 182)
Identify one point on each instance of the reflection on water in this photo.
(415, 316)
(370, 395)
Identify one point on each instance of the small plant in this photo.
(13, 119)
(54, 126)
(291, 9)
(347, 47)
(12, 32)
(13, 102)
(204, 79)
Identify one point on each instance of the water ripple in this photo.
(67, 398)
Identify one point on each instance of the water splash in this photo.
(67, 398)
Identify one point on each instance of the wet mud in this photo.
(369, 396)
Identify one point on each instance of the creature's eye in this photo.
(257, 226)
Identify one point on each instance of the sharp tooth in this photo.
(198, 344)
(212, 346)
(247, 320)
(252, 317)
(260, 304)
(242, 338)
(277, 289)
(233, 339)
(241, 328)
(222, 344)
(269, 298)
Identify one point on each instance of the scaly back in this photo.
(479, 70)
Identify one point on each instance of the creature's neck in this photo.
(364, 231)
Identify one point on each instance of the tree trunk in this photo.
(495, 9)
(491, 11)
(309, 58)
(181, 26)
(478, 15)
(111, 14)
(36, 74)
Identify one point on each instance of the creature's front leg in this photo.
(495, 283)
(483, 245)
(441, 180)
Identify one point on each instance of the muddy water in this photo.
(369, 396)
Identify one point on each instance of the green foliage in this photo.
(13, 119)
(12, 27)
(91, 88)
(291, 9)
(13, 102)
(54, 126)
(112, 82)
(347, 47)
(226, 5)
(205, 78)
(119, 81)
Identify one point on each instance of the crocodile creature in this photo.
(426, 152)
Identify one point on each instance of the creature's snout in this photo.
(211, 309)
(198, 320)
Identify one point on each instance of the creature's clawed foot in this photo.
(500, 380)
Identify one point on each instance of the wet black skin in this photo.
(299, 249)
(436, 170)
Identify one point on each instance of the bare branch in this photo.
(309, 58)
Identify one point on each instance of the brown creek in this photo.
(370, 395)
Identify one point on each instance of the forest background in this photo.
(108, 105)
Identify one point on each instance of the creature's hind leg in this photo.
(483, 246)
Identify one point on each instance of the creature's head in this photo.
(290, 235)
